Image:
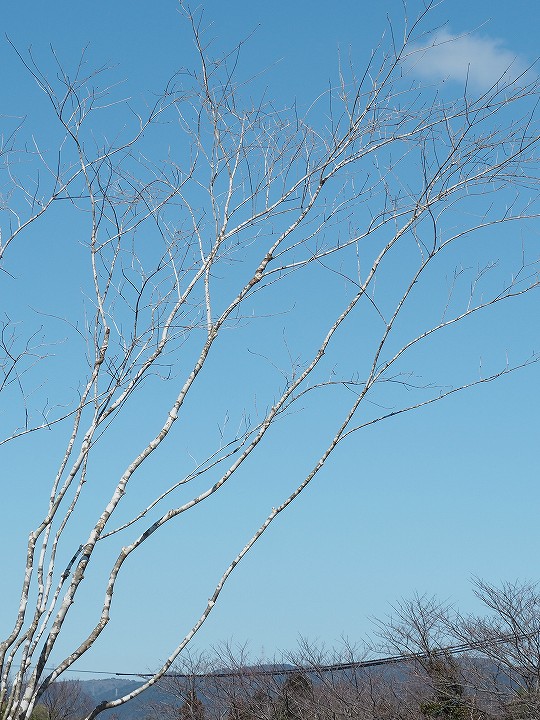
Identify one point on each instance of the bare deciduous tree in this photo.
(66, 700)
(508, 636)
(481, 666)
(254, 213)
(428, 662)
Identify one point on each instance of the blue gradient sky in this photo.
(418, 504)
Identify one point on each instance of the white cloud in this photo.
(480, 61)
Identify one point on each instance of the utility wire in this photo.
(334, 667)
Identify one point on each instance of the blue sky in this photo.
(420, 503)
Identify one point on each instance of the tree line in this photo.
(447, 665)
(435, 662)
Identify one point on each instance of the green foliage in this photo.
(40, 713)
(451, 708)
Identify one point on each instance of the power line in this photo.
(336, 667)
(333, 667)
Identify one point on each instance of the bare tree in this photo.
(66, 700)
(430, 662)
(189, 689)
(230, 684)
(254, 213)
(481, 666)
(508, 636)
(434, 685)
(343, 686)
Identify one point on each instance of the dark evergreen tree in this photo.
(193, 708)
(295, 698)
(449, 701)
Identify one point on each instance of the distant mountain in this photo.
(137, 709)
(148, 703)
